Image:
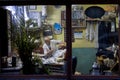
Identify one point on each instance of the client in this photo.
(58, 53)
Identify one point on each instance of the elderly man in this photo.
(50, 46)
(52, 52)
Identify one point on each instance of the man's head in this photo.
(62, 45)
(47, 40)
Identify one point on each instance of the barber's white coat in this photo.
(52, 45)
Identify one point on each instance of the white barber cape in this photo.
(53, 59)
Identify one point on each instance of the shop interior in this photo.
(28, 28)
(94, 39)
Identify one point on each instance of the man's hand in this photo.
(51, 51)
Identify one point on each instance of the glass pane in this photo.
(95, 46)
(35, 40)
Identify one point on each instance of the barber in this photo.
(50, 46)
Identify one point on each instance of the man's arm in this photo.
(47, 52)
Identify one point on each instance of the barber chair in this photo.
(74, 64)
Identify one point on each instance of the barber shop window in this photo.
(95, 46)
(35, 39)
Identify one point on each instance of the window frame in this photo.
(69, 49)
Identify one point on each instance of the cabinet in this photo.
(5, 43)
(5, 22)
(78, 20)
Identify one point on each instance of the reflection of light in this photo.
(44, 12)
(36, 41)
(11, 8)
(25, 14)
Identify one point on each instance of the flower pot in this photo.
(28, 67)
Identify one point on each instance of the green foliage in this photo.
(22, 39)
(36, 60)
(24, 42)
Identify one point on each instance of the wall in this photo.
(85, 50)
(53, 16)
(82, 43)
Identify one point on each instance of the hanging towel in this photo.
(87, 31)
(96, 34)
(92, 31)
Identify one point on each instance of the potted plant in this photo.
(25, 43)
(39, 67)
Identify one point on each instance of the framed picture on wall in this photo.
(78, 34)
(32, 7)
(79, 14)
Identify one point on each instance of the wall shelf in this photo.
(94, 20)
